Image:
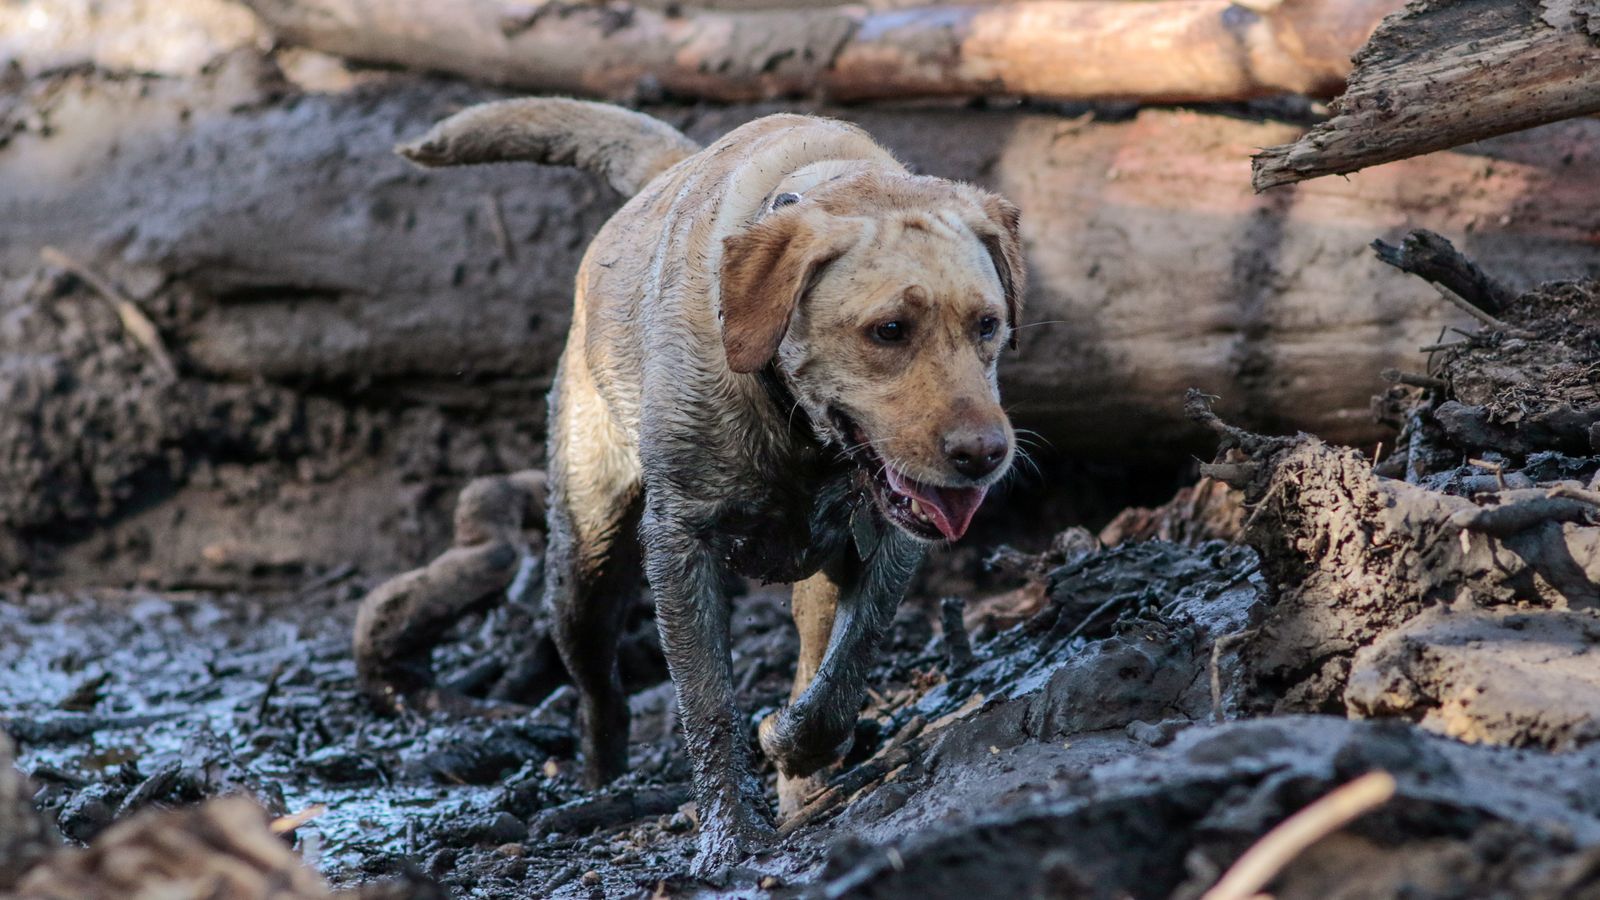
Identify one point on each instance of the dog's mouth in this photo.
(929, 512)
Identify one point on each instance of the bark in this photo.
(1445, 74)
(355, 339)
(1168, 50)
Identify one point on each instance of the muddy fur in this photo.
(731, 394)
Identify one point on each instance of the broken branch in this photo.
(1432, 257)
(1479, 314)
(1415, 379)
(1521, 511)
(1440, 75)
(1262, 862)
(134, 321)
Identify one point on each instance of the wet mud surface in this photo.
(1073, 754)
(127, 700)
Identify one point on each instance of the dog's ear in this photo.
(766, 269)
(1003, 239)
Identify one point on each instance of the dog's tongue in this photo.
(951, 508)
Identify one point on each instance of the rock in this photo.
(1516, 677)
(89, 812)
(1158, 734)
(341, 766)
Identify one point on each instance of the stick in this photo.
(617, 806)
(286, 824)
(1217, 648)
(1093, 614)
(1415, 448)
(1415, 379)
(1479, 314)
(1432, 257)
(956, 641)
(134, 321)
(1263, 861)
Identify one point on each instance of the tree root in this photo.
(402, 620)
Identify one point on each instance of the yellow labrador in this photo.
(781, 365)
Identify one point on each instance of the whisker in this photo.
(1026, 457)
(1035, 436)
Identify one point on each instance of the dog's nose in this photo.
(975, 452)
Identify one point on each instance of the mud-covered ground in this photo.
(1073, 754)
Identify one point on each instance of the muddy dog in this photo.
(781, 366)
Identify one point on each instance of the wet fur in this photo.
(669, 449)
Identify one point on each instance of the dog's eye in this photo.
(987, 326)
(891, 332)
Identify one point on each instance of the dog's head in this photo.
(885, 301)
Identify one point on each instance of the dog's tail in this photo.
(626, 148)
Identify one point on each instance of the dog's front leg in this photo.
(807, 734)
(692, 614)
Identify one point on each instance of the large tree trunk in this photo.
(355, 337)
(1448, 73)
(1166, 50)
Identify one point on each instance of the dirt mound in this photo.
(1352, 556)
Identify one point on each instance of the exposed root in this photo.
(401, 621)
(1282, 844)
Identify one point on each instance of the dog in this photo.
(781, 365)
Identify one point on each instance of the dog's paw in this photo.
(728, 834)
(793, 750)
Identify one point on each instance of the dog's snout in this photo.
(976, 451)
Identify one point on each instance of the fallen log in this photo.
(356, 339)
(400, 622)
(1443, 74)
(1167, 50)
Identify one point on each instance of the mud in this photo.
(1091, 735)
(1519, 678)
(1074, 754)
(1353, 556)
(123, 701)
